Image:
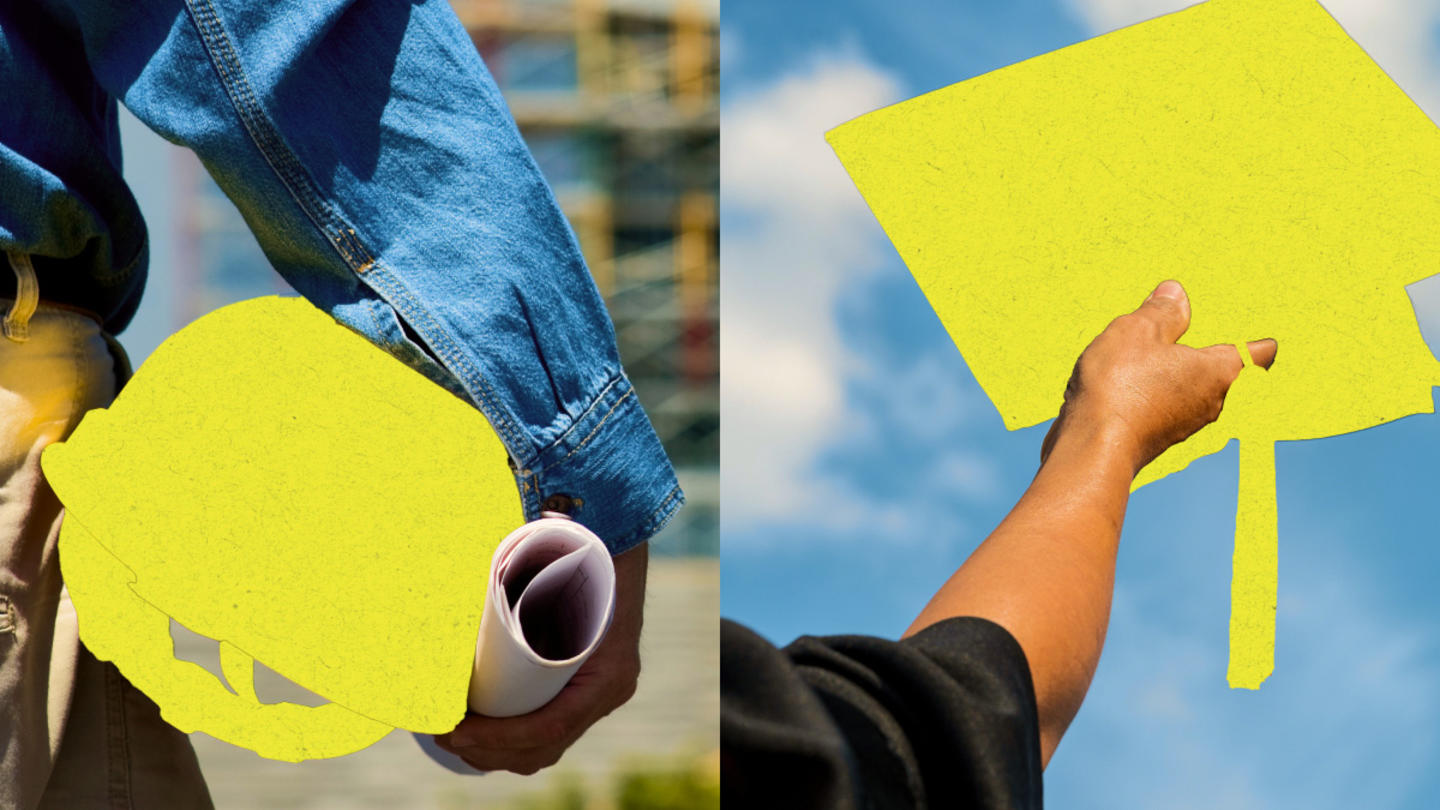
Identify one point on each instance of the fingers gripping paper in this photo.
(1248, 148)
(272, 480)
(550, 603)
(551, 599)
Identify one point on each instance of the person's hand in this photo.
(1136, 387)
(527, 743)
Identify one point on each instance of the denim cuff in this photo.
(608, 471)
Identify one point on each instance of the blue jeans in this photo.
(372, 155)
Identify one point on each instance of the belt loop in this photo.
(27, 297)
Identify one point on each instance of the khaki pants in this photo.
(74, 734)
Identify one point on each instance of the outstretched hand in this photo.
(533, 741)
(1047, 571)
(1135, 385)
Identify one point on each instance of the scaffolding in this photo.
(618, 102)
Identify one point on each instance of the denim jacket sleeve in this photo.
(371, 153)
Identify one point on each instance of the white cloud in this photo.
(796, 233)
(1347, 720)
(775, 157)
(1107, 15)
(1425, 295)
(731, 49)
(969, 476)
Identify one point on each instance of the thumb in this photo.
(1168, 307)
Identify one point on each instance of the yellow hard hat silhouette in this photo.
(272, 480)
(1248, 148)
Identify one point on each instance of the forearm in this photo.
(372, 155)
(1046, 573)
(631, 569)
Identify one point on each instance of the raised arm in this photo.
(1047, 572)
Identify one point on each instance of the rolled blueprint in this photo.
(551, 597)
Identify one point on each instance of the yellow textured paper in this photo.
(1248, 148)
(119, 626)
(272, 480)
(1256, 568)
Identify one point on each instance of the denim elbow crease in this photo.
(371, 154)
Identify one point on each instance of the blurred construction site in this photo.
(618, 103)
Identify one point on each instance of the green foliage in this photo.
(567, 792)
(685, 783)
(691, 788)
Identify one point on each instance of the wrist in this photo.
(1104, 444)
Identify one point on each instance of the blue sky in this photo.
(862, 464)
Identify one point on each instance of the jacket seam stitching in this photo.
(321, 213)
(448, 352)
(655, 521)
(591, 434)
(242, 97)
(595, 402)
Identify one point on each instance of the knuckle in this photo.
(629, 676)
(1232, 363)
(535, 763)
(1223, 382)
(626, 691)
(622, 687)
(553, 730)
(1084, 367)
(1165, 304)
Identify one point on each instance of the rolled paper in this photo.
(550, 600)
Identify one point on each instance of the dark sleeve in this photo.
(943, 719)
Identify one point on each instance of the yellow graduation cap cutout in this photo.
(1248, 148)
(274, 481)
